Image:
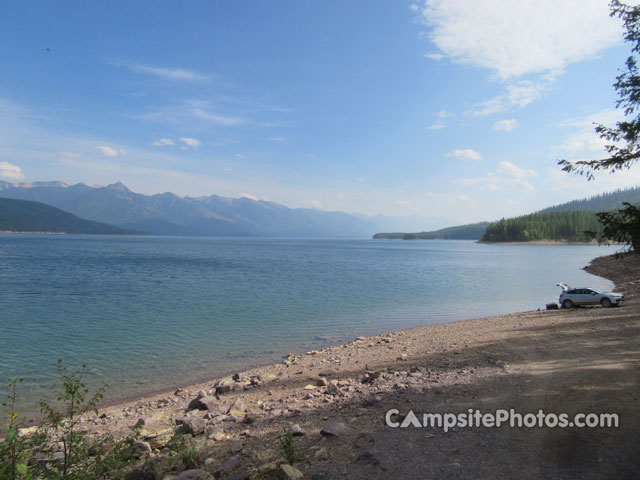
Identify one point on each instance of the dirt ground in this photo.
(584, 360)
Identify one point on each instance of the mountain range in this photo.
(170, 214)
(27, 216)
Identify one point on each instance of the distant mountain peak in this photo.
(118, 186)
(53, 183)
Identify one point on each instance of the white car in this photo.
(573, 297)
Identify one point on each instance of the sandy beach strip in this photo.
(584, 360)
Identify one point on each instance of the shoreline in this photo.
(561, 361)
(540, 242)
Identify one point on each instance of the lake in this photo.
(149, 313)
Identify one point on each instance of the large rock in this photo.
(158, 439)
(208, 402)
(192, 425)
(292, 473)
(224, 386)
(237, 406)
(334, 429)
(139, 448)
(228, 466)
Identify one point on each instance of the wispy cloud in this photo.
(445, 114)
(505, 125)
(10, 171)
(507, 175)
(517, 96)
(166, 73)
(191, 142)
(434, 56)
(583, 143)
(465, 154)
(110, 151)
(194, 114)
(440, 124)
(163, 142)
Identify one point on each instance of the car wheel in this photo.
(567, 304)
(605, 302)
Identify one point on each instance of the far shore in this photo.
(11, 232)
(561, 361)
(542, 242)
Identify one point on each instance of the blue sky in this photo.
(453, 108)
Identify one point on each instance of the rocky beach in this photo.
(333, 402)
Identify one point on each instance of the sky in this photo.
(448, 108)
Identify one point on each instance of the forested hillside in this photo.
(461, 232)
(27, 216)
(599, 203)
(556, 226)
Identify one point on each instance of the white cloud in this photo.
(517, 96)
(216, 119)
(109, 151)
(511, 170)
(434, 56)
(511, 39)
(192, 114)
(174, 74)
(507, 175)
(238, 155)
(246, 195)
(584, 143)
(10, 171)
(445, 114)
(505, 125)
(163, 142)
(191, 142)
(524, 37)
(315, 203)
(560, 181)
(465, 154)
(440, 124)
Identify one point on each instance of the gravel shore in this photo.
(334, 401)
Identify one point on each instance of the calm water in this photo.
(149, 312)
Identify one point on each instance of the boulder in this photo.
(237, 406)
(228, 466)
(334, 429)
(292, 473)
(192, 425)
(208, 402)
(139, 448)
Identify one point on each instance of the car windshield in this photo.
(596, 290)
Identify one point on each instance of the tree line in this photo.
(556, 226)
